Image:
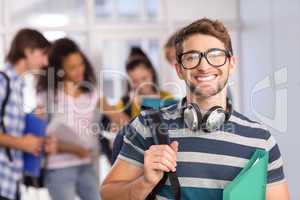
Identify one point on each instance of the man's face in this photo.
(205, 80)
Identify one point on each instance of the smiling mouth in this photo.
(205, 78)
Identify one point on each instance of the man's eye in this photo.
(216, 54)
(191, 57)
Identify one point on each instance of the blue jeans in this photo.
(67, 183)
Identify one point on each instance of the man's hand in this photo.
(278, 192)
(138, 181)
(159, 159)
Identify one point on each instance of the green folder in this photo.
(250, 184)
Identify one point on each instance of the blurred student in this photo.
(143, 83)
(170, 51)
(71, 172)
(27, 53)
(131, 110)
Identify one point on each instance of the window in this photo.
(126, 10)
(152, 9)
(79, 38)
(129, 9)
(41, 13)
(103, 9)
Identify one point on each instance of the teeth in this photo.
(206, 78)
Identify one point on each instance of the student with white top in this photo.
(68, 93)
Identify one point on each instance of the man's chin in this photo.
(204, 92)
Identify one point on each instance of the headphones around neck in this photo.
(211, 121)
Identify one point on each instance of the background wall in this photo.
(269, 62)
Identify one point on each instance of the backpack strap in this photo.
(161, 136)
(3, 107)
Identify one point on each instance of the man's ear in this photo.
(179, 70)
(232, 64)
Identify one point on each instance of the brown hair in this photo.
(26, 38)
(171, 41)
(204, 26)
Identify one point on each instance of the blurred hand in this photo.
(82, 152)
(51, 145)
(32, 144)
(159, 159)
(124, 119)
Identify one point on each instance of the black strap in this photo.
(162, 135)
(2, 114)
(127, 105)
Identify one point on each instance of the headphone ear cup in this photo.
(192, 117)
(213, 119)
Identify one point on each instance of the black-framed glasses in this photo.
(215, 57)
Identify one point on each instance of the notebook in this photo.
(36, 126)
(156, 103)
(250, 184)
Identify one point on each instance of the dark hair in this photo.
(136, 52)
(26, 38)
(204, 26)
(60, 49)
(133, 64)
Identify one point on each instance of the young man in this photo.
(205, 162)
(28, 52)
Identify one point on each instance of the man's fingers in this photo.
(163, 148)
(160, 166)
(171, 165)
(165, 155)
(174, 145)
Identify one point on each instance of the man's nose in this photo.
(203, 64)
